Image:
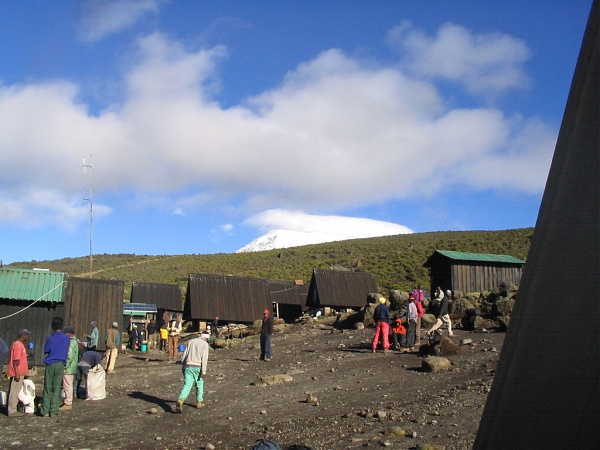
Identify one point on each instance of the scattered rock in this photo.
(435, 364)
(153, 411)
(269, 380)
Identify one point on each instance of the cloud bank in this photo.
(318, 141)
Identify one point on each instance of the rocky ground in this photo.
(333, 393)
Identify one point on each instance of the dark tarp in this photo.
(545, 391)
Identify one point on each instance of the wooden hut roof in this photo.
(340, 288)
(164, 296)
(232, 299)
(475, 257)
(288, 293)
(31, 285)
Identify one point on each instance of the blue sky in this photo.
(210, 123)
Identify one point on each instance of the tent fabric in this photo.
(545, 393)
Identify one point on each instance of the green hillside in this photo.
(396, 261)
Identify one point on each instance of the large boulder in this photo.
(448, 347)
(460, 306)
(427, 320)
(504, 307)
(398, 300)
(435, 364)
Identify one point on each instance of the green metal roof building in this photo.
(34, 285)
(472, 272)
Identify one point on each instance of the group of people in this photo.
(67, 364)
(406, 332)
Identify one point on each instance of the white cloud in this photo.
(485, 64)
(104, 17)
(335, 134)
(350, 227)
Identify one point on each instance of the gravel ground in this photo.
(357, 398)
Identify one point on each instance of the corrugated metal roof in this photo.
(484, 257)
(26, 284)
(138, 309)
(232, 299)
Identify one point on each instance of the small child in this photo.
(164, 336)
(399, 333)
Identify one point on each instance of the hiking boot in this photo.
(65, 408)
(267, 359)
(199, 405)
(179, 406)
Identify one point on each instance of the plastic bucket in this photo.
(143, 348)
(181, 347)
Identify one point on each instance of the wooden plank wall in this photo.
(88, 299)
(36, 319)
(470, 277)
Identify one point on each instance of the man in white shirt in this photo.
(194, 362)
(174, 327)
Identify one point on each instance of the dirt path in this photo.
(363, 399)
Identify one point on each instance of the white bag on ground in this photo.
(27, 396)
(96, 383)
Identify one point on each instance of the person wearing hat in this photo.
(56, 349)
(381, 317)
(412, 315)
(442, 316)
(112, 341)
(92, 338)
(194, 362)
(18, 369)
(70, 369)
(266, 330)
(174, 328)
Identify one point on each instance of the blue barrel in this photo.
(181, 347)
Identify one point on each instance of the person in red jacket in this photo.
(399, 334)
(18, 369)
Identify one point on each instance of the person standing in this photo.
(381, 317)
(174, 328)
(164, 337)
(151, 329)
(411, 322)
(70, 369)
(18, 369)
(443, 316)
(266, 330)
(194, 363)
(92, 338)
(112, 341)
(56, 350)
(134, 336)
(214, 331)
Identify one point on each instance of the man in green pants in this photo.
(194, 362)
(56, 350)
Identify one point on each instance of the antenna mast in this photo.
(89, 199)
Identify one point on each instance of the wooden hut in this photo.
(30, 299)
(168, 298)
(472, 272)
(288, 298)
(232, 299)
(88, 299)
(339, 289)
